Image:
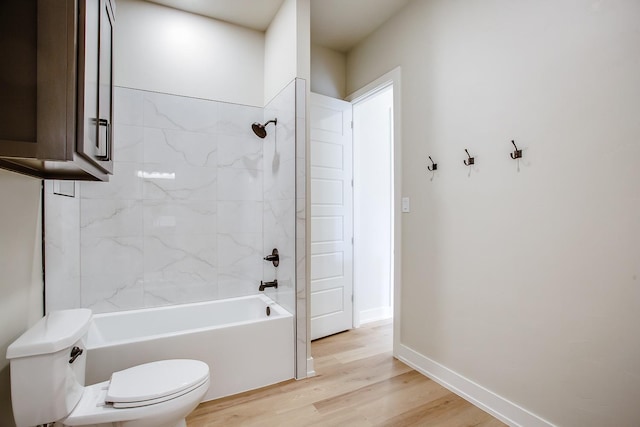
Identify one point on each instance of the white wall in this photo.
(20, 270)
(287, 47)
(328, 72)
(521, 276)
(303, 37)
(166, 50)
(372, 145)
(280, 58)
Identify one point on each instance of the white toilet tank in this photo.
(48, 367)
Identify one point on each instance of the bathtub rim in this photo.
(279, 311)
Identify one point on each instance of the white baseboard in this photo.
(375, 314)
(310, 370)
(501, 408)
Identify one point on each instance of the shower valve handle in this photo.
(274, 258)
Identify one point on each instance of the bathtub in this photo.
(244, 347)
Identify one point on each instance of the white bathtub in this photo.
(244, 348)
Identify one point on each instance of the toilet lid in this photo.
(155, 382)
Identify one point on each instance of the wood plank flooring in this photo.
(358, 383)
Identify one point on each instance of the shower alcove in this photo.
(195, 203)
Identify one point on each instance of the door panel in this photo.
(105, 92)
(329, 301)
(95, 97)
(328, 229)
(331, 216)
(90, 54)
(327, 192)
(327, 155)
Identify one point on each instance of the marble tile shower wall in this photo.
(279, 168)
(181, 219)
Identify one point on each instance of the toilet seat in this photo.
(155, 382)
(94, 409)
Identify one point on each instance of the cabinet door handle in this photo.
(107, 149)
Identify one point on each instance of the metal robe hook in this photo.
(516, 154)
(433, 167)
(470, 160)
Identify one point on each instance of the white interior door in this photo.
(331, 216)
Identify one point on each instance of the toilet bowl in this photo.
(47, 382)
(145, 395)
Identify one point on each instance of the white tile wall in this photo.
(181, 220)
(62, 248)
(279, 211)
(196, 202)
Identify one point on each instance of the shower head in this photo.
(259, 129)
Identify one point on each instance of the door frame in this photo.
(391, 78)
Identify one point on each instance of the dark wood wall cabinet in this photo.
(56, 88)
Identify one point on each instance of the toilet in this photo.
(47, 366)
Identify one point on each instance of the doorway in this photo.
(372, 206)
(367, 237)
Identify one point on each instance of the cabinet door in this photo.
(105, 88)
(95, 91)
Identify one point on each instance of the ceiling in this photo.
(341, 24)
(254, 14)
(336, 24)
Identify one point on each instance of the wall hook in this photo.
(470, 160)
(516, 154)
(433, 167)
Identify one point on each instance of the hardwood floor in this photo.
(358, 383)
